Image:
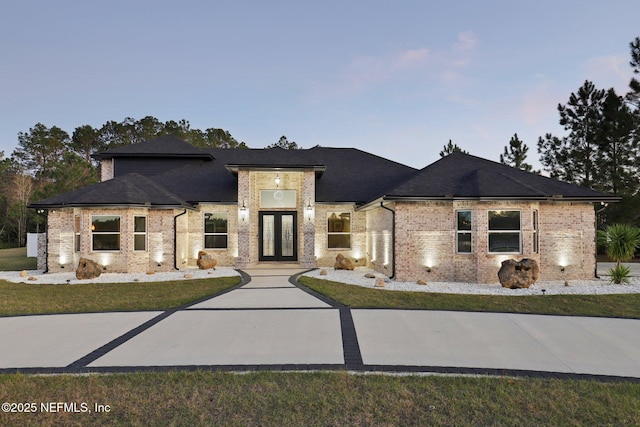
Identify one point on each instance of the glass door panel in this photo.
(287, 235)
(268, 235)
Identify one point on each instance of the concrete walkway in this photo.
(270, 323)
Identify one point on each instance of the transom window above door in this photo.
(270, 199)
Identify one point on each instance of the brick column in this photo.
(244, 220)
(308, 259)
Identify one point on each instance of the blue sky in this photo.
(396, 78)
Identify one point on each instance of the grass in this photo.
(314, 399)
(18, 298)
(625, 306)
(15, 259)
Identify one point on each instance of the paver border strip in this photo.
(101, 351)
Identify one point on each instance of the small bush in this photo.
(620, 274)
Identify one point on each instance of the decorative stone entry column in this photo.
(244, 220)
(308, 259)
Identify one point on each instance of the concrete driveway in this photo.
(269, 323)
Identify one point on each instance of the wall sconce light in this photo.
(428, 269)
(243, 211)
(562, 269)
(277, 180)
(309, 209)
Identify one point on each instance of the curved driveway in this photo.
(270, 322)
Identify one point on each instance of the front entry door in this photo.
(278, 236)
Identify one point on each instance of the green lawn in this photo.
(627, 305)
(18, 298)
(320, 399)
(15, 259)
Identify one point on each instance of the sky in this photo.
(396, 78)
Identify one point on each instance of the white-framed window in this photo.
(536, 237)
(139, 233)
(463, 232)
(339, 230)
(76, 229)
(216, 230)
(504, 232)
(105, 233)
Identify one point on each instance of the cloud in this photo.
(406, 67)
(609, 71)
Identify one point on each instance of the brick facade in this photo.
(426, 240)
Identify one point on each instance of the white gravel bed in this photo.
(62, 278)
(586, 287)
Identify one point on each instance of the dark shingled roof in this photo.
(461, 175)
(342, 175)
(128, 190)
(164, 146)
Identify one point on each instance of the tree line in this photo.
(598, 150)
(48, 161)
(600, 147)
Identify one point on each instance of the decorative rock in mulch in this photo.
(87, 269)
(518, 274)
(323, 272)
(151, 272)
(343, 263)
(206, 261)
(421, 282)
(188, 276)
(380, 283)
(370, 276)
(23, 273)
(32, 278)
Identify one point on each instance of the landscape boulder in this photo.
(206, 261)
(87, 269)
(343, 263)
(518, 274)
(380, 283)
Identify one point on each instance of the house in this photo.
(162, 201)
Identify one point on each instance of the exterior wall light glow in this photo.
(277, 180)
(243, 211)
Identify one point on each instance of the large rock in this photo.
(518, 274)
(87, 269)
(343, 263)
(206, 261)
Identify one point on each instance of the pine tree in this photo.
(515, 154)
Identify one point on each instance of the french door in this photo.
(278, 236)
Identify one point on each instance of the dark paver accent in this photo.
(350, 345)
(101, 351)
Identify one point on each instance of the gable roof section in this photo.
(129, 190)
(164, 146)
(464, 176)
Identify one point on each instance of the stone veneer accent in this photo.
(426, 237)
(106, 169)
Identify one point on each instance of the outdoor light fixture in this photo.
(428, 269)
(309, 209)
(243, 211)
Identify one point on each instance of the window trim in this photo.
(205, 234)
(118, 233)
(536, 231)
(459, 232)
(339, 233)
(76, 237)
(519, 231)
(140, 233)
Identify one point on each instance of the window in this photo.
(339, 230)
(504, 232)
(215, 231)
(139, 233)
(105, 232)
(76, 230)
(463, 231)
(536, 243)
